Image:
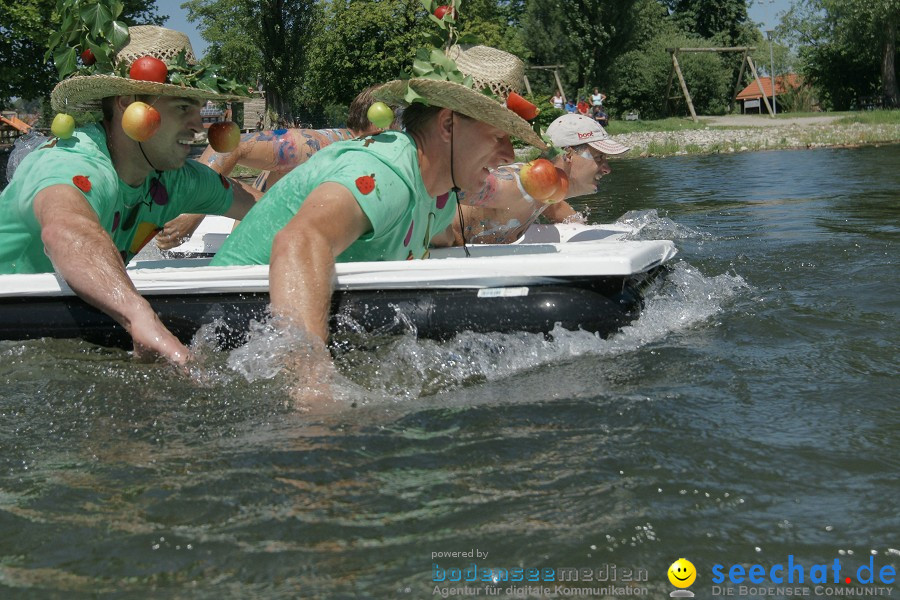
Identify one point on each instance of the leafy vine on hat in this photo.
(120, 61)
(436, 78)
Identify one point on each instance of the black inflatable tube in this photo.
(601, 306)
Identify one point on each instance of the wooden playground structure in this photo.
(746, 61)
(11, 127)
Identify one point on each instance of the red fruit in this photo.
(521, 106)
(366, 183)
(442, 10)
(224, 136)
(88, 58)
(140, 121)
(82, 183)
(561, 190)
(148, 68)
(539, 179)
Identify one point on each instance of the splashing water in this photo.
(648, 225)
(397, 368)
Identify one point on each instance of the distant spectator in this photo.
(557, 100)
(599, 115)
(597, 98)
(570, 106)
(583, 108)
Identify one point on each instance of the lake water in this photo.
(749, 415)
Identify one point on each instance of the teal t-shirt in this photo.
(382, 173)
(131, 215)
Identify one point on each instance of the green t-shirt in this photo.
(382, 173)
(131, 215)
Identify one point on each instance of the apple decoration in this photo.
(88, 58)
(381, 115)
(140, 121)
(148, 68)
(521, 106)
(441, 11)
(540, 180)
(63, 126)
(224, 136)
(562, 190)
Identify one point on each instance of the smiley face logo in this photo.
(682, 573)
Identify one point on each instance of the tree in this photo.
(233, 34)
(496, 23)
(641, 75)
(848, 48)
(359, 43)
(586, 36)
(724, 21)
(25, 28)
(265, 38)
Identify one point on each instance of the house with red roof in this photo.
(751, 98)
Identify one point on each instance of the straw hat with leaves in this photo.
(82, 92)
(470, 80)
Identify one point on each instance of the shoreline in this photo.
(734, 136)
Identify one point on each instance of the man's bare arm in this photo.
(85, 256)
(301, 273)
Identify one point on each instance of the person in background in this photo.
(276, 153)
(585, 146)
(583, 108)
(599, 115)
(84, 205)
(570, 106)
(557, 100)
(597, 98)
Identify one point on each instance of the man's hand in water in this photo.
(310, 372)
(152, 339)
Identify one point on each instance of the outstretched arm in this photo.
(265, 150)
(301, 273)
(86, 257)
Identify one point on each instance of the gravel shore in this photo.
(742, 133)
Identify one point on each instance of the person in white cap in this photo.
(509, 213)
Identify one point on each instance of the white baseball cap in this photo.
(574, 130)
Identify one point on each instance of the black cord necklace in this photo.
(455, 189)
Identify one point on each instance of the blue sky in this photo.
(178, 21)
(761, 11)
(767, 11)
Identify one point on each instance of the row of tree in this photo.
(313, 56)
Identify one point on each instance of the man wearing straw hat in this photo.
(382, 197)
(585, 147)
(84, 205)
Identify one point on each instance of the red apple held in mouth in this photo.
(148, 68)
(88, 58)
(539, 179)
(140, 121)
(561, 190)
(445, 9)
(224, 136)
(521, 106)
